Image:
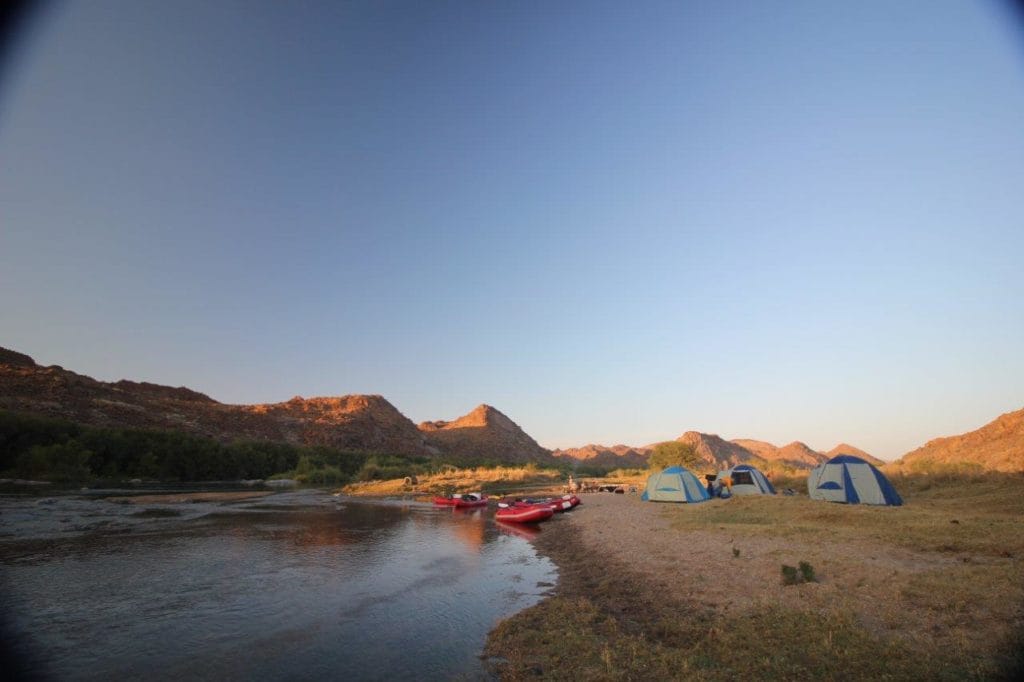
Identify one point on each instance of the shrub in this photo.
(61, 462)
(673, 453)
(790, 575)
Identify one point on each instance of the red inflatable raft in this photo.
(463, 501)
(557, 504)
(522, 512)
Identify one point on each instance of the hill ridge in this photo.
(998, 445)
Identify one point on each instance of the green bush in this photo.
(794, 576)
(61, 462)
(62, 451)
(673, 453)
(386, 467)
(790, 576)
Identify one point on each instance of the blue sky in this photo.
(614, 223)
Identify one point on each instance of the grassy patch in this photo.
(627, 628)
(938, 594)
(978, 515)
(497, 480)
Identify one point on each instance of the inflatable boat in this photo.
(463, 501)
(523, 512)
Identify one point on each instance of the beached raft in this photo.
(557, 504)
(463, 501)
(523, 512)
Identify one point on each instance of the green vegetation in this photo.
(61, 451)
(673, 453)
(445, 479)
(791, 575)
(384, 467)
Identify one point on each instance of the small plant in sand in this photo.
(735, 552)
(792, 575)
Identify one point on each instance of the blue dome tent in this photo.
(675, 484)
(849, 479)
(746, 480)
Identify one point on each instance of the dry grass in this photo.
(978, 516)
(492, 480)
(931, 590)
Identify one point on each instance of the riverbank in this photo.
(496, 480)
(931, 590)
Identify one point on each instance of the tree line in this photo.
(58, 450)
(63, 451)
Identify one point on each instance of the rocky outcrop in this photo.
(716, 452)
(16, 359)
(367, 423)
(764, 450)
(484, 434)
(800, 455)
(997, 446)
(846, 449)
(796, 455)
(608, 457)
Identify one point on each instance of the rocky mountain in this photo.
(759, 448)
(846, 449)
(611, 457)
(484, 433)
(997, 446)
(800, 455)
(716, 452)
(355, 422)
(795, 455)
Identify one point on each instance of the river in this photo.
(297, 585)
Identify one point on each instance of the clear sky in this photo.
(613, 221)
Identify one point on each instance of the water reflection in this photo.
(296, 585)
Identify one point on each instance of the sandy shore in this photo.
(702, 564)
(896, 594)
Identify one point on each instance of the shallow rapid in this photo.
(295, 585)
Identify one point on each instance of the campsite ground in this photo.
(930, 590)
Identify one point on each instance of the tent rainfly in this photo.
(849, 479)
(746, 480)
(675, 484)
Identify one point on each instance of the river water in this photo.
(296, 585)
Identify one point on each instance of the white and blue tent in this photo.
(849, 479)
(675, 484)
(746, 480)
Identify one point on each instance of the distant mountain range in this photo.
(611, 457)
(366, 423)
(370, 423)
